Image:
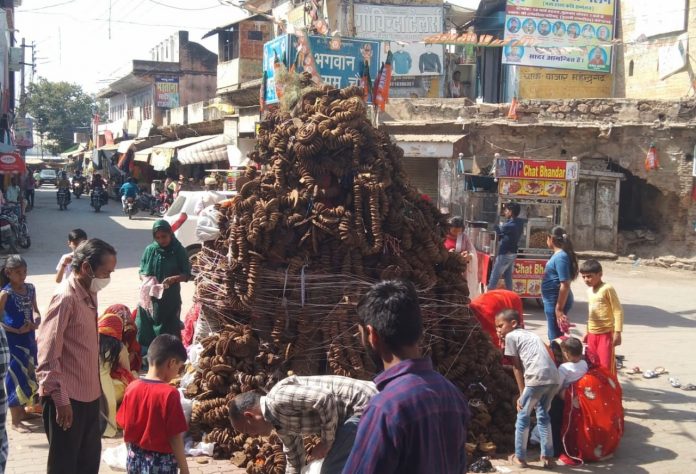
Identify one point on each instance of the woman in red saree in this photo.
(593, 418)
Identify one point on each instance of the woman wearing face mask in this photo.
(164, 262)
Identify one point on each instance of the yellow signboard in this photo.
(533, 188)
(544, 83)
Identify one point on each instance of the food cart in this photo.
(542, 189)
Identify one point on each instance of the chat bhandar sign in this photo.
(563, 34)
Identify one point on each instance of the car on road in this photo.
(183, 218)
(48, 176)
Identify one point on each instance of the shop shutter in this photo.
(422, 174)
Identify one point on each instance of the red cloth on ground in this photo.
(190, 324)
(484, 261)
(487, 305)
(150, 414)
(593, 418)
(600, 351)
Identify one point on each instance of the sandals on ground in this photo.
(688, 387)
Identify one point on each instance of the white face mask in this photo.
(98, 284)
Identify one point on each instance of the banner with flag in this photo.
(262, 92)
(381, 92)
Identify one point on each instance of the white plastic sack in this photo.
(192, 448)
(186, 405)
(313, 467)
(207, 226)
(117, 457)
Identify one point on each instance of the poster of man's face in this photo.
(544, 27)
(529, 27)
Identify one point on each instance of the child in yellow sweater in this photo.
(605, 321)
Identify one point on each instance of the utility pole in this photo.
(22, 80)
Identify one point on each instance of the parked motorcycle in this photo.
(98, 198)
(63, 197)
(147, 202)
(163, 201)
(78, 188)
(13, 228)
(130, 207)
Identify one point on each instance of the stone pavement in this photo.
(660, 308)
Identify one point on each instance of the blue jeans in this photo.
(337, 456)
(537, 398)
(504, 264)
(550, 311)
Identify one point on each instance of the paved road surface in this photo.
(660, 310)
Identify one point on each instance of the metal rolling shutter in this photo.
(422, 173)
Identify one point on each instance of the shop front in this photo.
(543, 189)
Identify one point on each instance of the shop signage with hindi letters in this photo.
(338, 60)
(554, 170)
(547, 83)
(573, 34)
(402, 28)
(167, 92)
(24, 132)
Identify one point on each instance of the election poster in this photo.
(573, 35)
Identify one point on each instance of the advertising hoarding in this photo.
(568, 35)
(402, 28)
(167, 92)
(338, 60)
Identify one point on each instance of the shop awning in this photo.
(12, 162)
(108, 147)
(212, 150)
(427, 146)
(125, 145)
(162, 154)
(143, 155)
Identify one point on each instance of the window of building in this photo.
(130, 112)
(228, 45)
(147, 110)
(630, 68)
(255, 35)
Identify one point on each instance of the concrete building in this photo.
(648, 212)
(653, 60)
(179, 72)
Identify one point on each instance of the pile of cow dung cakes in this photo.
(327, 212)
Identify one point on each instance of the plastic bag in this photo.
(186, 405)
(191, 448)
(117, 457)
(313, 467)
(207, 225)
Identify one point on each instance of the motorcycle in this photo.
(98, 199)
(163, 201)
(130, 207)
(78, 188)
(147, 202)
(13, 228)
(63, 197)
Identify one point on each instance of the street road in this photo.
(660, 308)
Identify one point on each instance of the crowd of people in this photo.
(92, 376)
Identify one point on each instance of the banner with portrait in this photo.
(573, 35)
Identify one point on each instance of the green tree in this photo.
(58, 108)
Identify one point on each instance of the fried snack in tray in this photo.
(328, 212)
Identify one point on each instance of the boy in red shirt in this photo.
(151, 416)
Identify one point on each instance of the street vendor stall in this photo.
(542, 189)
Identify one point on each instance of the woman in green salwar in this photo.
(166, 260)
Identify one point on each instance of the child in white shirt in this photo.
(75, 238)
(574, 367)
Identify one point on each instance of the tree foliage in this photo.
(58, 109)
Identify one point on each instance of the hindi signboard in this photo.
(573, 34)
(167, 92)
(402, 28)
(338, 60)
(543, 83)
(24, 132)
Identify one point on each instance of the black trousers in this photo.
(29, 194)
(77, 450)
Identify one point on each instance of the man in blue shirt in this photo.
(129, 190)
(509, 234)
(418, 421)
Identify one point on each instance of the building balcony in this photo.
(232, 74)
(197, 112)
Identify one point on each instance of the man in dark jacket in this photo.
(509, 234)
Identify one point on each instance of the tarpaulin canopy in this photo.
(143, 155)
(125, 145)
(212, 150)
